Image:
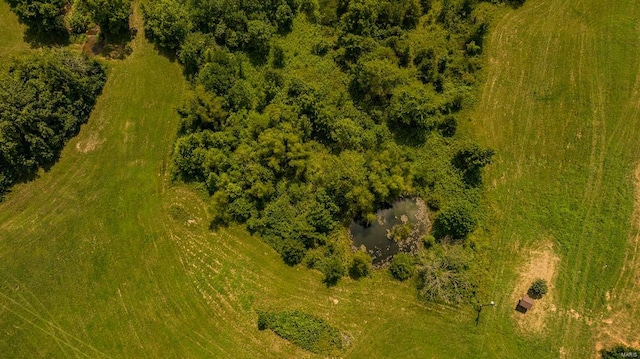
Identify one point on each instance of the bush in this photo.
(320, 48)
(292, 251)
(333, 270)
(304, 330)
(360, 265)
(402, 267)
(428, 241)
(400, 232)
(455, 221)
(538, 289)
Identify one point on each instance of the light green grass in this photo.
(561, 108)
(103, 257)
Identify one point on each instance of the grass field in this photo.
(104, 257)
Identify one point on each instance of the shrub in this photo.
(292, 251)
(402, 266)
(400, 232)
(333, 270)
(428, 241)
(304, 330)
(538, 289)
(456, 221)
(360, 265)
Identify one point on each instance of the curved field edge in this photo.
(560, 106)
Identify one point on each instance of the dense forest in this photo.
(307, 114)
(44, 98)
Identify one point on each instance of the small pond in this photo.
(375, 237)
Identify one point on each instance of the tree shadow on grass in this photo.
(36, 38)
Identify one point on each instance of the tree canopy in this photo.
(296, 154)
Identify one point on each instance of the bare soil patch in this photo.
(541, 262)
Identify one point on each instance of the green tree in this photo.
(402, 266)
(41, 15)
(166, 22)
(360, 265)
(333, 270)
(374, 80)
(111, 15)
(192, 53)
(456, 220)
(538, 288)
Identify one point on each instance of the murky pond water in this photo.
(374, 235)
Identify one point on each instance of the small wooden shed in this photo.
(525, 303)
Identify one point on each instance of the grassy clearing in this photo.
(102, 257)
(560, 106)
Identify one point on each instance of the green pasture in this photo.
(103, 256)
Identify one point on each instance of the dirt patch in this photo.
(541, 262)
(622, 319)
(89, 144)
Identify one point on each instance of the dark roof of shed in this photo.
(526, 302)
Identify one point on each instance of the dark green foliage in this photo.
(538, 289)
(620, 352)
(44, 98)
(111, 15)
(193, 50)
(443, 275)
(246, 25)
(360, 265)
(402, 266)
(470, 161)
(448, 126)
(294, 152)
(320, 48)
(304, 330)
(166, 22)
(333, 270)
(373, 81)
(79, 20)
(278, 57)
(428, 241)
(41, 15)
(455, 221)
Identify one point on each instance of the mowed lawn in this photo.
(103, 257)
(561, 106)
